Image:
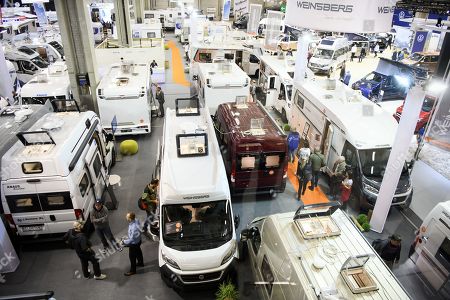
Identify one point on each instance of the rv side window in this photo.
(272, 160)
(349, 153)
(151, 35)
(97, 166)
(272, 82)
(32, 167)
(254, 59)
(256, 239)
(299, 100)
(56, 201)
(247, 162)
(204, 57)
(23, 203)
(84, 185)
(267, 275)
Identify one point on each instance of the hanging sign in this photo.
(240, 8)
(419, 41)
(226, 10)
(363, 16)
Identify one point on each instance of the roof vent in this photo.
(120, 81)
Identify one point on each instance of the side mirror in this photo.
(245, 234)
(237, 221)
(195, 77)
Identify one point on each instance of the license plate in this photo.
(32, 228)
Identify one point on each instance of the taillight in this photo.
(10, 220)
(233, 172)
(285, 169)
(79, 214)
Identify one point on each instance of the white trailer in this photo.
(341, 121)
(52, 83)
(151, 29)
(124, 96)
(26, 61)
(53, 174)
(219, 83)
(197, 230)
(49, 51)
(316, 253)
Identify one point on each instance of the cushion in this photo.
(129, 147)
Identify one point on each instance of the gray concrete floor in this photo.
(52, 266)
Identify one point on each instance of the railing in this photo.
(137, 43)
(32, 296)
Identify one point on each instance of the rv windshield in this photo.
(38, 61)
(428, 104)
(377, 77)
(323, 53)
(58, 47)
(289, 91)
(189, 226)
(374, 162)
(416, 57)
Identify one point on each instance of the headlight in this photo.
(229, 254)
(370, 188)
(169, 261)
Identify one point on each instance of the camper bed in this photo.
(349, 242)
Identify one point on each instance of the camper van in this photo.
(433, 246)
(221, 82)
(149, 30)
(262, 26)
(276, 78)
(329, 55)
(52, 83)
(340, 121)
(197, 237)
(26, 61)
(97, 29)
(53, 174)
(315, 253)
(167, 17)
(254, 148)
(49, 51)
(124, 96)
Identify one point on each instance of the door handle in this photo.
(52, 218)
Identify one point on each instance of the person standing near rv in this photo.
(133, 242)
(346, 189)
(337, 176)
(389, 250)
(99, 218)
(317, 162)
(376, 49)
(150, 202)
(153, 64)
(293, 142)
(160, 97)
(353, 51)
(304, 152)
(78, 241)
(186, 51)
(253, 90)
(304, 175)
(342, 73)
(362, 54)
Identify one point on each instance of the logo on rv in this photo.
(15, 187)
(196, 197)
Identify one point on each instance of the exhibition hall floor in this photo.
(52, 266)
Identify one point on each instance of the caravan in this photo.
(26, 61)
(330, 54)
(150, 29)
(49, 51)
(340, 121)
(221, 82)
(53, 174)
(124, 96)
(197, 230)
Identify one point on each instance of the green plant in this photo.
(366, 226)
(362, 218)
(227, 291)
(286, 127)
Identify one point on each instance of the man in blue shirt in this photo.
(293, 142)
(133, 242)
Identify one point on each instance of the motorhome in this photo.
(262, 26)
(97, 29)
(432, 246)
(315, 253)
(53, 174)
(23, 27)
(123, 97)
(26, 61)
(276, 77)
(52, 83)
(340, 121)
(221, 82)
(329, 55)
(49, 51)
(167, 17)
(254, 148)
(197, 237)
(151, 29)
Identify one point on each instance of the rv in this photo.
(149, 30)
(49, 51)
(97, 29)
(26, 61)
(262, 26)
(197, 232)
(315, 253)
(329, 55)
(254, 148)
(221, 82)
(52, 83)
(432, 246)
(53, 174)
(340, 121)
(276, 78)
(123, 97)
(167, 17)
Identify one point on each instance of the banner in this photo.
(273, 29)
(240, 8)
(253, 18)
(363, 16)
(402, 17)
(39, 10)
(420, 39)
(226, 10)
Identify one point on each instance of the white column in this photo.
(123, 26)
(6, 84)
(405, 132)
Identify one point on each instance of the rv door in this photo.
(326, 146)
(96, 170)
(271, 88)
(246, 62)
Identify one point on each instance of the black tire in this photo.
(113, 157)
(284, 116)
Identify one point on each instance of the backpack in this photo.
(379, 244)
(142, 204)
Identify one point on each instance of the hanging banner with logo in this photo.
(274, 27)
(253, 18)
(226, 10)
(419, 41)
(364, 16)
(402, 17)
(240, 8)
(39, 10)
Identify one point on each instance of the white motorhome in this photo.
(276, 78)
(26, 61)
(341, 121)
(219, 83)
(197, 230)
(52, 83)
(53, 174)
(49, 51)
(151, 30)
(124, 96)
(315, 253)
(433, 246)
(97, 29)
(262, 26)
(167, 17)
(329, 55)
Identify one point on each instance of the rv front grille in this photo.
(201, 277)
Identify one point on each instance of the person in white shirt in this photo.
(186, 51)
(376, 49)
(353, 50)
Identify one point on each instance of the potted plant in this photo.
(227, 291)
(362, 222)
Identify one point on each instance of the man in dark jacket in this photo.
(149, 196)
(78, 241)
(99, 218)
(317, 162)
(389, 250)
(160, 97)
(304, 175)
